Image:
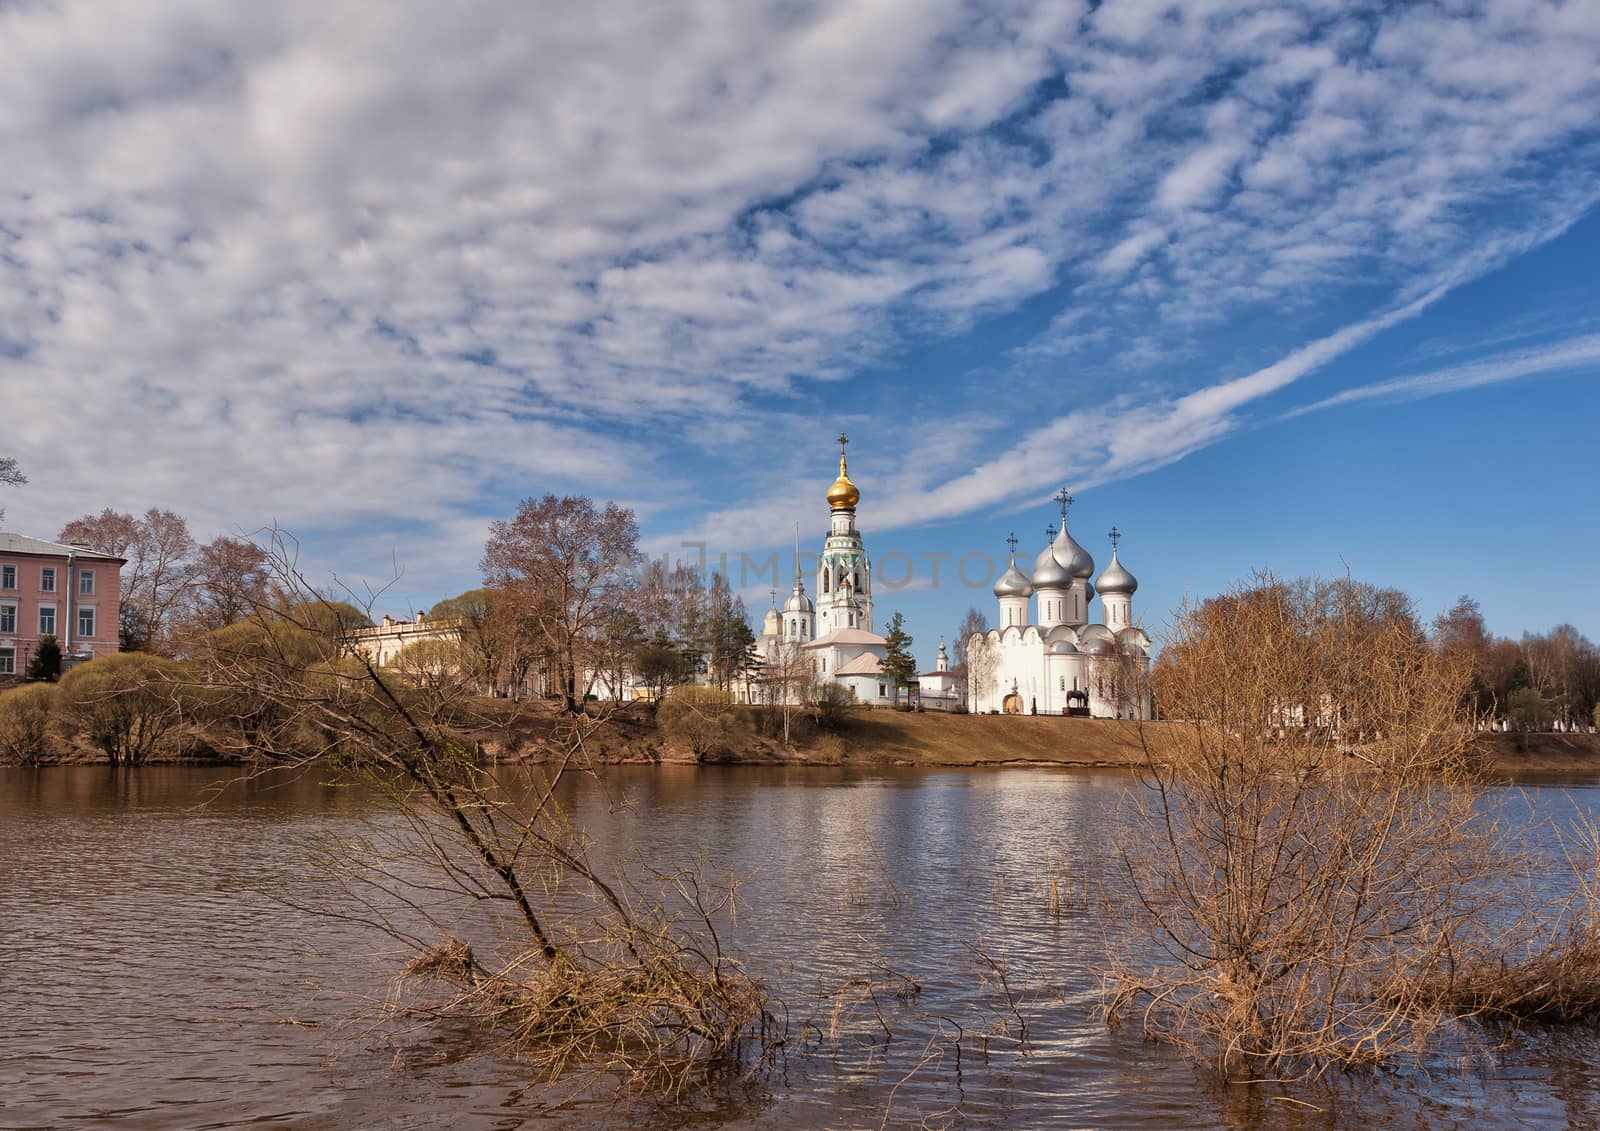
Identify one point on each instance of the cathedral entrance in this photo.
(1012, 705)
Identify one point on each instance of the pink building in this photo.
(50, 589)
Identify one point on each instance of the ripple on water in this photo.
(146, 982)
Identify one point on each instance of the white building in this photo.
(942, 689)
(834, 633)
(1058, 662)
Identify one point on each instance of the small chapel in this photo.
(832, 633)
(1058, 662)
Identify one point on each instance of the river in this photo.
(154, 973)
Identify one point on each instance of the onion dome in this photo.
(1073, 557)
(770, 625)
(843, 495)
(1116, 580)
(1013, 582)
(1048, 572)
(798, 602)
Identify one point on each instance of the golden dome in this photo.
(843, 495)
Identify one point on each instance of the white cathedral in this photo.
(832, 636)
(1060, 663)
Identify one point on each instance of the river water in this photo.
(155, 973)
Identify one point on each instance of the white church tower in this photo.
(844, 573)
(1117, 587)
(1013, 589)
(799, 614)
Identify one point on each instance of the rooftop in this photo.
(22, 544)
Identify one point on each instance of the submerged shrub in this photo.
(122, 704)
(1308, 861)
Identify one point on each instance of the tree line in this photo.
(1541, 680)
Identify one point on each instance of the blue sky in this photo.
(1300, 286)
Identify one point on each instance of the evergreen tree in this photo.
(898, 663)
(46, 662)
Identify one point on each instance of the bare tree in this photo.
(10, 475)
(983, 663)
(561, 563)
(159, 572)
(229, 583)
(785, 678)
(971, 625)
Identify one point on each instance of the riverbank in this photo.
(935, 739)
(507, 731)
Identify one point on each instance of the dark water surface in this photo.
(145, 981)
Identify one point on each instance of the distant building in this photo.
(942, 689)
(382, 643)
(1060, 663)
(72, 593)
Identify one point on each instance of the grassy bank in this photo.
(506, 730)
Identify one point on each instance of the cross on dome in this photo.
(1064, 497)
(1011, 540)
(1116, 536)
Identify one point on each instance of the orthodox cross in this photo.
(1050, 533)
(774, 597)
(843, 440)
(1116, 536)
(1064, 497)
(1011, 540)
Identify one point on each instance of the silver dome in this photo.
(1048, 572)
(1013, 582)
(1065, 646)
(1116, 579)
(1061, 563)
(798, 603)
(1071, 555)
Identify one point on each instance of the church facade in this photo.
(1047, 657)
(829, 638)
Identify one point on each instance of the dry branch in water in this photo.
(587, 969)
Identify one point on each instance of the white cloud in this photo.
(335, 265)
(1557, 357)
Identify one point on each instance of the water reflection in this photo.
(147, 984)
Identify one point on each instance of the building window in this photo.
(47, 621)
(883, 691)
(86, 582)
(8, 662)
(8, 618)
(86, 622)
(8, 577)
(47, 579)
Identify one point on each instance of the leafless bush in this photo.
(1307, 862)
(708, 721)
